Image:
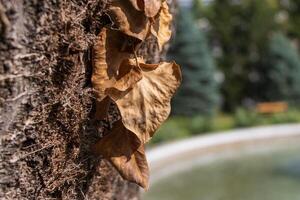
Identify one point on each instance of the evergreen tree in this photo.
(282, 71)
(199, 92)
(292, 9)
(240, 30)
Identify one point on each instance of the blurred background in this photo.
(241, 68)
(240, 62)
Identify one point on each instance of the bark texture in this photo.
(47, 105)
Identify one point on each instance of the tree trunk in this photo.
(47, 104)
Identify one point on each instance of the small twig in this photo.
(33, 152)
(28, 147)
(83, 195)
(38, 150)
(13, 76)
(22, 56)
(81, 13)
(112, 25)
(4, 20)
(18, 96)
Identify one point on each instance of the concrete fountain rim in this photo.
(167, 159)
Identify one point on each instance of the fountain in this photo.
(249, 164)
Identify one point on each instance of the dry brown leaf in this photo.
(138, 4)
(146, 105)
(129, 20)
(127, 77)
(108, 54)
(161, 28)
(107, 57)
(152, 7)
(142, 93)
(126, 153)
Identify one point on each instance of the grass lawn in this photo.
(181, 127)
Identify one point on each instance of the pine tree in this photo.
(199, 92)
(240, 30)
(282, 70)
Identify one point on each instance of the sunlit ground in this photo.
(269, 175)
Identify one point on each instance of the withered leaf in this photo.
(127, 77)
(152, 7)
(126, 153)
(108, 53)
(129, 20)
(161, 28)
(138, 4)
(108, 56)
(142, 93)
(145, 105)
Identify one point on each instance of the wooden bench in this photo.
(271, 107)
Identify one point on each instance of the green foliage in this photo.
(245, 118)
(281, 71)
(241, 29)
(200, 124)
(199, 91)
(182, 127)
(175, 128)
(292, 9)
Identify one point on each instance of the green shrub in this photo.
(182, 127)
(245, 118)
(291, 116)
(200, 124)
(174, 128)
(223, 122)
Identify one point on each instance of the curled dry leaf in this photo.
(145, 105)
(142, 93)
(138, 4)
(108, 56)
(161, 27)
(126, 153)
(150, 7)
(128, 20)
(108, 53)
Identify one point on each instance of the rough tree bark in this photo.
(47, 105)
